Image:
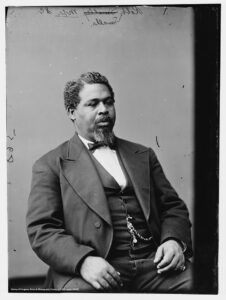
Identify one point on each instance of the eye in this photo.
(109, 101)
(92, 103)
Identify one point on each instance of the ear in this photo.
(71, 114)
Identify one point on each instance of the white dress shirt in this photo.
(109, 160)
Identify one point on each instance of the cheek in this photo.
(82, 121)
(85, 118)
(89, 120)
(112, 113)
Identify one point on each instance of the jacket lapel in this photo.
(136, 162)
(80, 172)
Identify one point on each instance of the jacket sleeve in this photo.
(173, 212)
(45, 223)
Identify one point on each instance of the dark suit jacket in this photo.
(68, 216)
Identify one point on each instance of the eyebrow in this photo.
(98, 99)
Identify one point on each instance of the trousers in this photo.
(140, 276)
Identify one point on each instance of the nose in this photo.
(102, 109)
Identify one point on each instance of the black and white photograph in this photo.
(112, 148)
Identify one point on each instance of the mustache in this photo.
(104, 119)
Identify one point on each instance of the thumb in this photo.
(158, 254)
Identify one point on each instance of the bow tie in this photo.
(96, 145)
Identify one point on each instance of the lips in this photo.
(104, 122)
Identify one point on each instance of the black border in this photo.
(206, 180)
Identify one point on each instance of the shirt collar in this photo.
(85, 141)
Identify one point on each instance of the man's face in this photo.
(94, 116)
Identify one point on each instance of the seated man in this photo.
(101, 212)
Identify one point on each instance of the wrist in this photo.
(182, 244)
(79, 265)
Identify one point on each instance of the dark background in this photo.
(207, 105)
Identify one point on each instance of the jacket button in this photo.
(97, 224)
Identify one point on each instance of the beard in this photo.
(104, 134)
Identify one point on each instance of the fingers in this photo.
(167, 265)
(105, 282)
(180, 265)
(100, 274)
(101, 284)
(96, 285)
(109, 282)
(105, 285)
(166, 259)
(169, 256)
(170, 263)
(115, 275)
(109, 279)
(113, 278)
(158, 255)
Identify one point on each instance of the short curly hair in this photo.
(73, 87)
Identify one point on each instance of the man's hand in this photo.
(169, 256)
(100, 274)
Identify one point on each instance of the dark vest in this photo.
(121, 204)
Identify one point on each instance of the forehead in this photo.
(94, 91)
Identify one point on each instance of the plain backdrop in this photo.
(147, 55)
